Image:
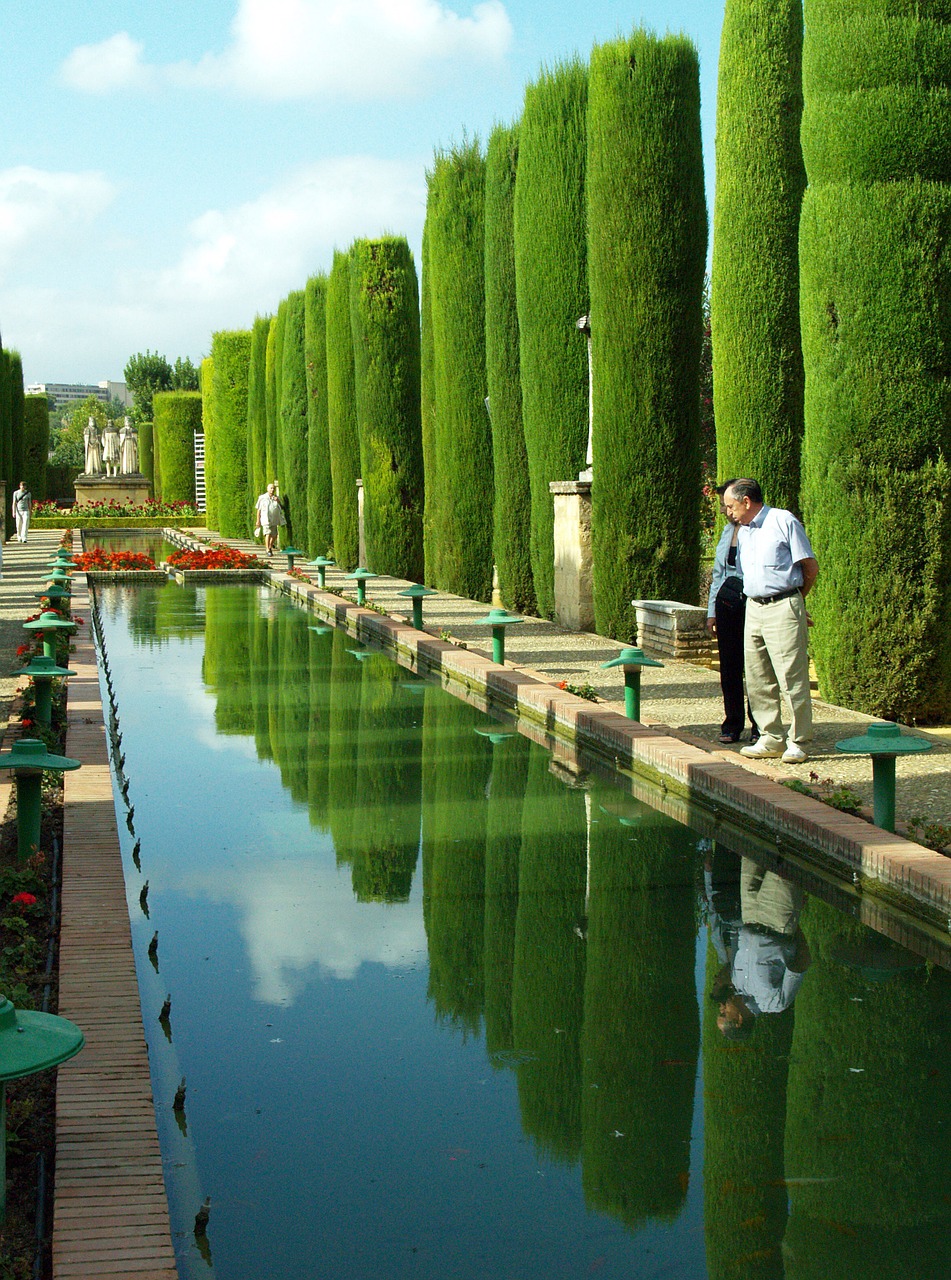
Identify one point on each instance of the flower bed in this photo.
(113, 561)
(152, 508)
(217, 556)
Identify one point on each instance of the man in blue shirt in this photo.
(779, 569)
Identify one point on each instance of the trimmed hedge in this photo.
(279, 330)
(320, 532)
(292, 420)
(552, 292)
(647, 248)
(270, 405)
(207, 376)
(461, 477)
(231, 353)
(176, 417)
(342, 430)
(146, 453)
(427, 411)
(16, 418)
(512, 511)
(75, 520)
(384, 319)
(36, 443)
(875, 300)
(757, 351)
(257, 406)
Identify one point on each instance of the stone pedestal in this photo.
(132, 489)
(361, 537)
(574, 591)
(673, 629)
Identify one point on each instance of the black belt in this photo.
(780, 595)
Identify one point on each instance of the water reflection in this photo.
(530, 1067)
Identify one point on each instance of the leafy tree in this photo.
(66, 440)
(145, 373)
(184, 375)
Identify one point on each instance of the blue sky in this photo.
(173, 169)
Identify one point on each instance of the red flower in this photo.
(27, 722)
(24, 899)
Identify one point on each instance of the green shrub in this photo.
(36, 443)
(146, 453)
(875, 298)
(16, 418)
(552, 291)
(760, 179)
(231, 354)
(292, 419)
(342, 414)
(207, 377)
(427, 410)
(257, 407)
(647, 250)
(279, 330)
(384, 319)
(320, 533)
(461, 477)
(511, 540)
(177, 416)
(270, 405)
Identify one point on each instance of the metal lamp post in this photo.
(884, 743)
(42, 671)
(632, 660)
(28, 759)
(361, 575)
(322, 564)
(52, 626)
(498, 620)
(417, 593)
(291, 553)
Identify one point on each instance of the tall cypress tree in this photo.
(177, 415)
(384, 319)
(292, 437)
(342, 414)
(257, 406)
(552, 292)
(427, 400)
(231, 354)
(647, 247)
(206, 380)
(512, 513)
(16, 416)
(36, 443)
(270, 405)
(280, 328)
(319, 478)
(462, 471)
(757, 352)
(876, 296)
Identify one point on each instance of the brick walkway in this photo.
(110, 1210)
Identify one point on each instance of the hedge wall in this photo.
(512, 510)
(231, 354)
(36, 443)
(270, 405)
(461, 478)
(320, 532)
(16, 418)
(176, 417)
(147, 453)
(647, 236)
(342, 414)
(292, 422)
(257, 407)
(427, 410)
(875, 301)
(212, 517)
(279, 330)
(384, 319)
(760, 179)
(552, 293)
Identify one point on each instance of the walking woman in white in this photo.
(22, 506)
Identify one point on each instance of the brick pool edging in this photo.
(904, 874)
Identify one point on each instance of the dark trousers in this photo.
(729, 619)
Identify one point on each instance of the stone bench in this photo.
(673, 629)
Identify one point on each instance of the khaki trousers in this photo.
(776, 655)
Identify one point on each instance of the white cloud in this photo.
(40, 210)
(261, 249)
(113, 64)
(281, 49)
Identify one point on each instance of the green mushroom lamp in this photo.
(29, 759)
(43, 671)
(292, 553)
(322, 564)
(50, 625)
(498, 620)
(417, 593)
(884, 743)
(361, 576)
(631, 661)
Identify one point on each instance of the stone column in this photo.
(574, 593)
(361, 539)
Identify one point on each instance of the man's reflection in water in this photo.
(755, 929)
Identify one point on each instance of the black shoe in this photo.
(728, 737)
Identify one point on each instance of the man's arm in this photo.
(810, 571)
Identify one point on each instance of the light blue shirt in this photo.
(772, 545)
(721, 570)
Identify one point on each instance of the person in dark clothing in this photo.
(726, 612)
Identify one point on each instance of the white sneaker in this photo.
(761, 751)
(794, 754)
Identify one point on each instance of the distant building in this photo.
(64, 393)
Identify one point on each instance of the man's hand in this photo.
(712, 626)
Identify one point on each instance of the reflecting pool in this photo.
(147, 541)
(449, 1009)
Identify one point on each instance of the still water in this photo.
(444, 1008)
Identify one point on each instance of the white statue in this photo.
(110, 449)
(128, 449)
(93, 446)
